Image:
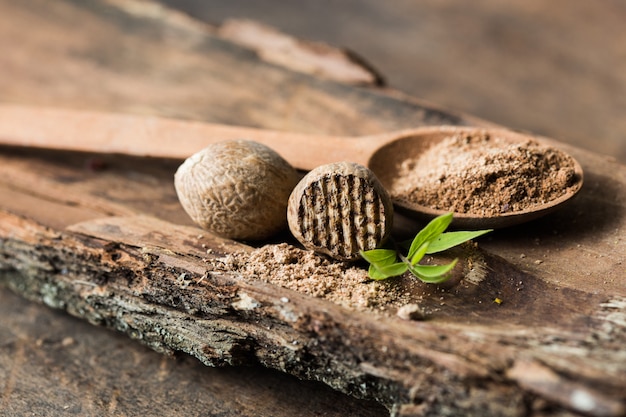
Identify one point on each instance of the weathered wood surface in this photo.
(556, 68)
(54, 365)
(131, 57)
(112, 245)
(546, 341)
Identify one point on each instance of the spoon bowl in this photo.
(387, 161)
(85, 131)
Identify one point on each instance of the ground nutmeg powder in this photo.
(484, 175)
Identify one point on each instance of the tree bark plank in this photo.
(103, 237)
(54, 364)
(148, 284)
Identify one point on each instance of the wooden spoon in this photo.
(88, 131)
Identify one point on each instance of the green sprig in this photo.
(387, 263)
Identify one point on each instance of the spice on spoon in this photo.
(484, 175)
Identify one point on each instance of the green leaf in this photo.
(393, 270)
(450, 239)
(431, 239)
(379, 257)
(375, 274)
(388, 271)
(383, 263)
(433, 229)
(420, 253)
(433, 274)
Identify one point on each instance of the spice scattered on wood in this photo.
(485, 175)
(346, 283)
(304, 271)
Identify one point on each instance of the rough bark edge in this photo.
(168, 301)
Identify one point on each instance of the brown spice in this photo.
(309, 273)
(340, 209)
(484, 175)
(347, 284)
(236, 189)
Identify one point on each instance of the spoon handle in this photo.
(88, 131)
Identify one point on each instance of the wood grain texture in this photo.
(470, 339)
(104, 238)
(150, 284)
(139, 63)
(555, 68)
(54, 364)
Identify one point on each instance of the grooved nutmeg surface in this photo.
(339, 209)
(236, 189)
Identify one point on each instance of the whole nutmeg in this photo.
(236, 189)
(339, 209)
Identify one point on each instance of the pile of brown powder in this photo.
(308, 273)
(484, 175)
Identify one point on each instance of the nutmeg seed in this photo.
(236, 189)
(339, 209)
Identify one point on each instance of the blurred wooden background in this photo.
(565, 81)
(556, 68)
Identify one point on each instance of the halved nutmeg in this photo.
(236, 189)
(339, 209)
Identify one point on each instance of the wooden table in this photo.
(103, 238)
(536, 65)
